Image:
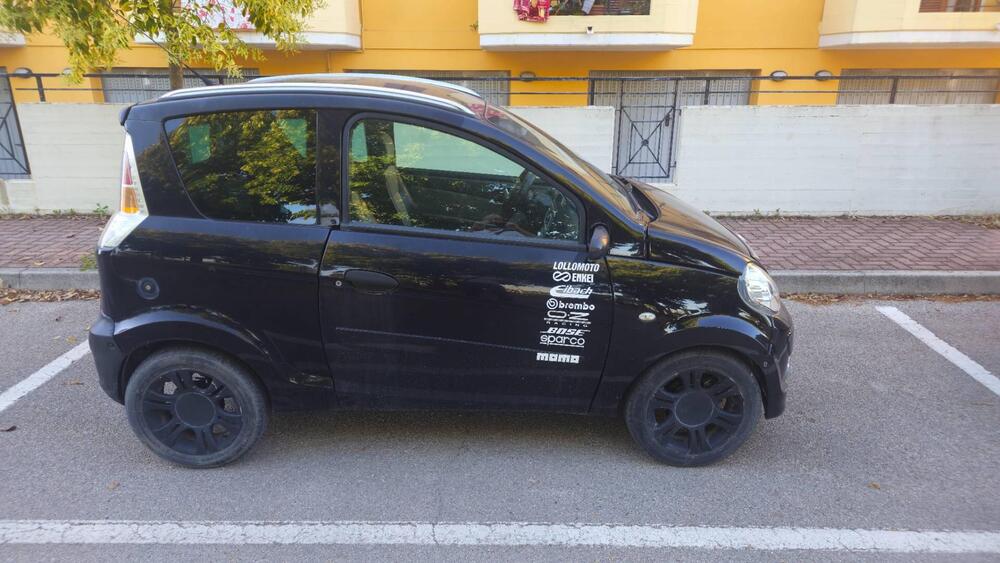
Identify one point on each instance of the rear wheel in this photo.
(694, 408)
(195, 408)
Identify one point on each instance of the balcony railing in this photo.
(600, 8)
(601, 25)
(960, 5)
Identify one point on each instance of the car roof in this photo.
(432, 92)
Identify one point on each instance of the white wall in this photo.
(74, 151)
(840, 159)
(825, 160)
(588, 131)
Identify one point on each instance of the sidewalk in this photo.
(833, 254)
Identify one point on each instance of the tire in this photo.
(694, 408)
(195, 408)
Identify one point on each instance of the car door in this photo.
(458, 276)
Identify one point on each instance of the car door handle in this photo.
(371, 282)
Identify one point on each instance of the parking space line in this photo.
(965, 363)
(493, 534)
(35, 380)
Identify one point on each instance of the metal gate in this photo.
(647, 106)
(13, 159)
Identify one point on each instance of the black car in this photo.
(372, 241)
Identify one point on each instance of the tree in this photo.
(95, 30)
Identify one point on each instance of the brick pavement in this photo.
(866, 243)
(47, 241)
(870, 243)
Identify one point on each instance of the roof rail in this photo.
(318, 87)
(359, 75)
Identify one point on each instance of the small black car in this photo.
(374, 241)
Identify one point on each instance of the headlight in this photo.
(758, 289)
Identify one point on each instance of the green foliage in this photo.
(95, 30)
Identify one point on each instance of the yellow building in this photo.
(484, 39)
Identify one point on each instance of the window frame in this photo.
(347, 222)
(316, 188)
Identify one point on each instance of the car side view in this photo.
(383, 242)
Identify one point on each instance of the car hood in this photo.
(681, 234)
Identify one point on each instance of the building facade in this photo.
(649, 60)
(484, 42)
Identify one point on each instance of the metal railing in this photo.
(600, 8)
(647, 105)
(960, 5)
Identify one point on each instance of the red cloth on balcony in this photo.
(532, 10)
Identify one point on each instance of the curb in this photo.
(888, 282)
(49, 278)
(884, 282)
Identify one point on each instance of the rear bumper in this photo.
(108, 357)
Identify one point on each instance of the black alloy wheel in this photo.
(191, 412)
(195, 407)
(694, 409)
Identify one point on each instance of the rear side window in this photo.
(249, 165)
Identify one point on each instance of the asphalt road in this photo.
(881, 432)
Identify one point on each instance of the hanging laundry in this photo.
(532, 10)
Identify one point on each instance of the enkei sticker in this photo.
(572, 277)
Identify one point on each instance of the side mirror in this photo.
(600, 240)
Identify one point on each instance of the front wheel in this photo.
(195, 408)
(694, 408)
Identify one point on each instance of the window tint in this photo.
(249, 165)
(403, 174)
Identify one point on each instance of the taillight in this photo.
(133, 205)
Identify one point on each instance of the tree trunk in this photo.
(175, 71)
(176, 76)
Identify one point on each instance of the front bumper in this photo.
(775, 369)
(108, 357)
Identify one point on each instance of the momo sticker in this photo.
(571, 292)
(561, 358)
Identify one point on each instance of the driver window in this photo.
(407, 175)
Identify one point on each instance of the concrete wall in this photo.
(589, 131)
(74, 151)
(841, 159)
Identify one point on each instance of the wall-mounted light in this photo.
(822, 75)
(67, 71)
(779, 75)
(527, 76)
(22, 71)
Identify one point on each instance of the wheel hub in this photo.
(695, 409)
(195, 409)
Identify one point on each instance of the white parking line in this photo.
(965, 363)
(35, 380)
(492, 534)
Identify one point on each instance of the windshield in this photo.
(619, 194)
